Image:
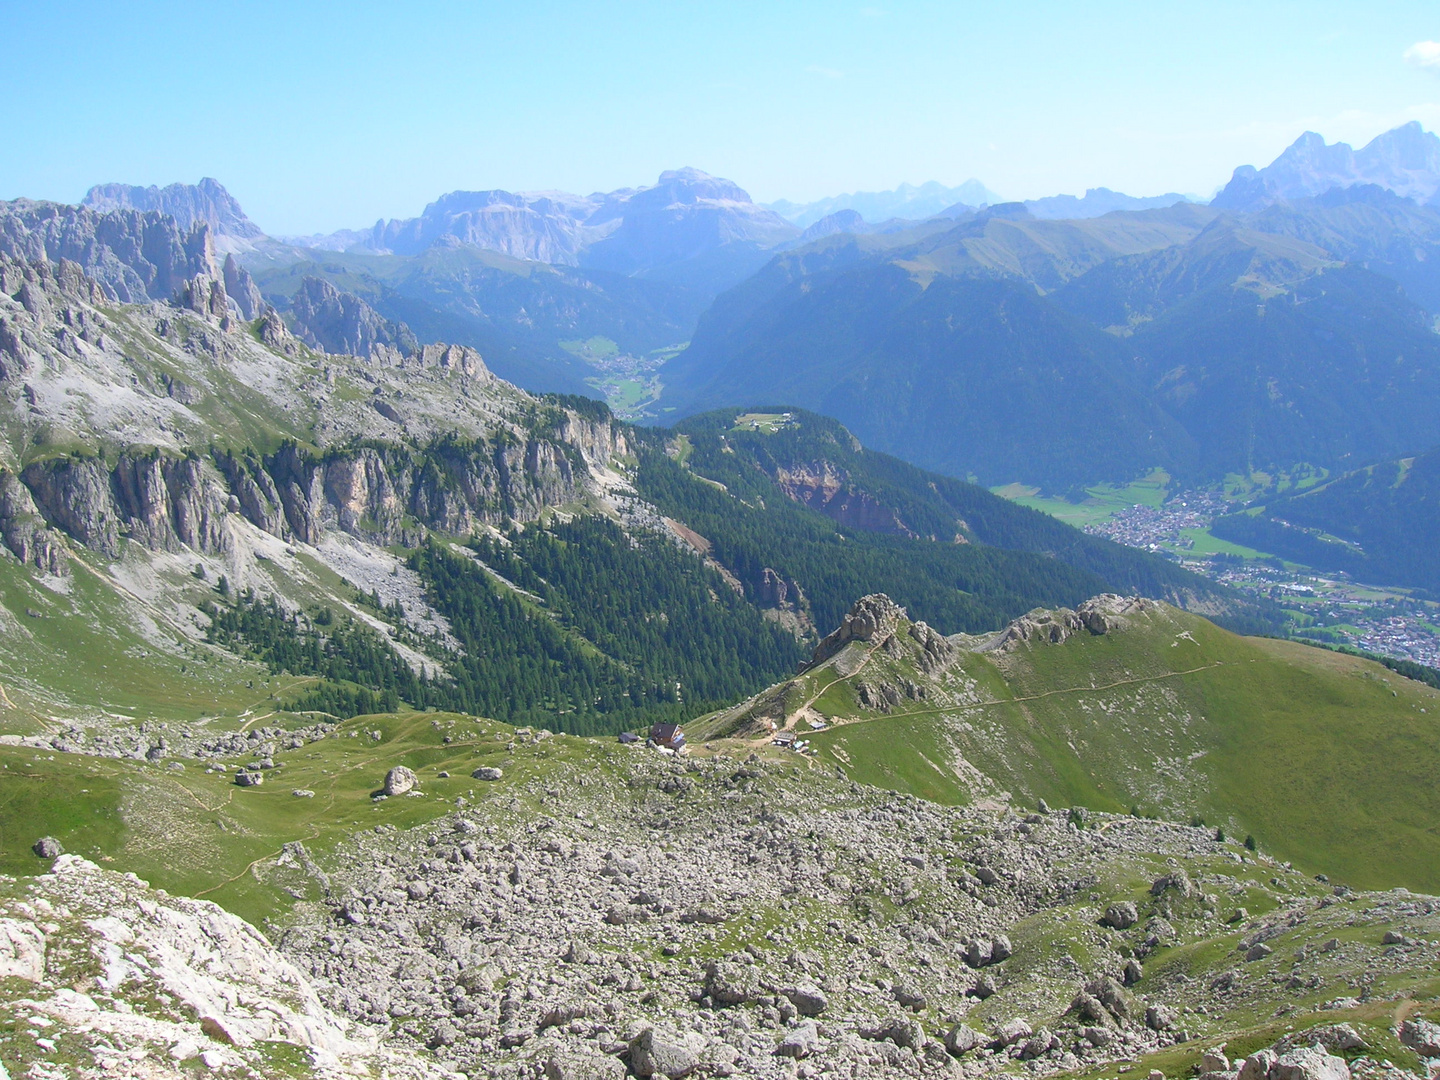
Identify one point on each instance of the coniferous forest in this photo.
(583, 626)
(602, 632)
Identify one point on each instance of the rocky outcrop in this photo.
(936, 650)
(378, 492)
(73, 494)
(24, 531)
(214, 989)
(204, 295)
(454, 485)
(167, 502)
(274, 334)
(338, 322)
(56, 303)
(242, 290)
(135, 256)
(158, 500)
(872, 618)
(822, 486)
(776, 590)
(1098, 615)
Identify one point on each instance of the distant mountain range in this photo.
(634, 230)
(1098, 201)
(862, 209)
(906, 201)
(1262, 330)
(1405, 161)
(1063, 352)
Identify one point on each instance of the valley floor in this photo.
(1328, 607)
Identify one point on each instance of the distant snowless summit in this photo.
(187, 203)
(683, 215)
(1405, 160)
(930, 200)
(906, 201)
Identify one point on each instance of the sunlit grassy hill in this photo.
(1325, 759)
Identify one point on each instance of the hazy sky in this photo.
(322, 116)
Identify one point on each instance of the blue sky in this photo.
(321, 116)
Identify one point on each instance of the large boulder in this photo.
(962, 1039)
(1159, 1017)
(731, 984)
(1309, 1063)
(808, 1000)
(47, 847)
(653, 1054)
(1009, 1033)
(1258, 1065)
(1113, 996)
(1177, 881)
(901, 1030)
(1421, 1036)
(400, 779)
(801, 1041)
(1121, 916)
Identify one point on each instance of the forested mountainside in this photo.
(403, 527)
(1202, 343)
(1375, 523)
(795, 497)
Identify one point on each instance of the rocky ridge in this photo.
(685, 214)
(141, 385)
(175, 443)
(132, 255)
(1405, 160)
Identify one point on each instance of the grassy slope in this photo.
(87, 650)
(1327, 759)
(199, 834)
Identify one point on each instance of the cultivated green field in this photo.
(1100, 502)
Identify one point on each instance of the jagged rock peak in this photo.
(1405, 160)
(188, 204)
(339, 322)
(242, 289)
(871, 618)
(135, 255)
